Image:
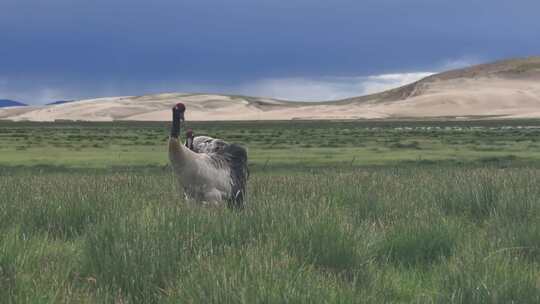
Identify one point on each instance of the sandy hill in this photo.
(503, 89)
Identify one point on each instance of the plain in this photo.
(339, 212)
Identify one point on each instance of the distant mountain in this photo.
(503, 89)
(59, 102)
(11, 103)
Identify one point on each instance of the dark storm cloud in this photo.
(72, 49)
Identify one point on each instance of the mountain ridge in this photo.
(501, 89)
(11, 103)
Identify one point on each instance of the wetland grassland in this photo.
(338, 212)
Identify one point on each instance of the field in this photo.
(339, 212)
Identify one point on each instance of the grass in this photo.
(455, 229)
(307, 144)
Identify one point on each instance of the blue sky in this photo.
(294, 49)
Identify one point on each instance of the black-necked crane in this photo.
(211, 171)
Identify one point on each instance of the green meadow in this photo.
(296, 143)
(338, 212)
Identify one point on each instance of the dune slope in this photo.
(504, 89)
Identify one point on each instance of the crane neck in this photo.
(179, 155)
(177, 117)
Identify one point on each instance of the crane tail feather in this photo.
(237, 158)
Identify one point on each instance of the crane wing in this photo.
(206, 144)
(235, 156)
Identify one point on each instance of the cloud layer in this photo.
(328, 88)
(43, 90)
(65, 49)
(297, 89)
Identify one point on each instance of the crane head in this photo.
(180, 107)
(178, 111)
(189, 133)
